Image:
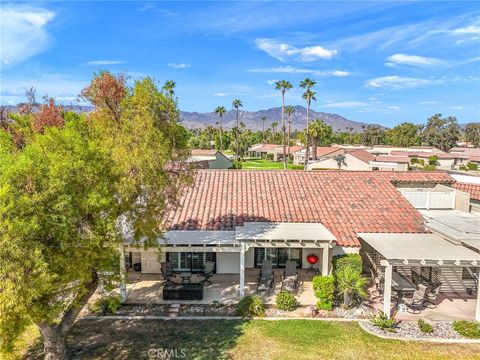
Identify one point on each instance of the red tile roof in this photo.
(363, 155)
(326, 150)
(393, 158)
(345, 202)
(472, 189)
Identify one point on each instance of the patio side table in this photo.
(185, 276)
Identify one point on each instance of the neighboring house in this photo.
(278, 151)
(209, 159)
(322, 152)
(261, 150)
(445, 161)
(390, 163)
(356, 160)
(238, 219)
(468, 154)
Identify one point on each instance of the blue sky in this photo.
(378, 62)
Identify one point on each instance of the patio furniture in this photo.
(402, 284)
(185, 276)
(137, 267)
(290, 277)
(266, 277)
(417, 301)
(375, 280)
(432, 294)
(167, 271)
(207, 272)
(173, 291)
(473, 290)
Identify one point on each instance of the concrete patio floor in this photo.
(225, 288)
(449, 307)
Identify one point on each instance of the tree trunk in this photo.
(221, 135)
(307, 149)
(54, 344)
(314, 149)
(347, 299)
(237, 145)
(283, 133)
(288, 136)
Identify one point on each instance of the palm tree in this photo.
(264, 138)
(220, 110)
(319, 131)
(308, 95)
(283, 86)
(351, 284)
(169, 87)
(237, 104)
(340, 159)
(274, 126)
(289, 110)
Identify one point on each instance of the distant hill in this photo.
(252, 119)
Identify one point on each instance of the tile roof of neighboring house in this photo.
(326, 150)
(343, 201)
(426, 155)
(264, 147)
(363, 155)
(204, 152)
(393, 158)
(474, 158)
(472, 189)
(295, 148)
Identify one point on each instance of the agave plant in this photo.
(351, 284)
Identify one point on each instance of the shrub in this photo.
(251, 305)
(424, 326)
(323, 287)
(462, 167)
(472, 166)
(469, 329)
(237, 164)
(286, 301)
(351, 284)
(269, 156)
(432, 160)
(429, 168)
(353, 261)
(380, 320)
(108, 304)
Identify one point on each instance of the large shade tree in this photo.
(472, 133)
(64, 192)
(443, 133)
(404, 135)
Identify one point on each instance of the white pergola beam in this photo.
(325, 260)
(123, 276)
(387, 290)
(243, 250)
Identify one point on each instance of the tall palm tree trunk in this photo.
(307, 148)
(221, 135)
(283, 132)
(237, 145)
(288, 135)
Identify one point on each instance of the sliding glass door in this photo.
(189, 261)
(278, 256)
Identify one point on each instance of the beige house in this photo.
(357, 160)
(209, 159)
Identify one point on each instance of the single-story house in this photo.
(390, 163)
(238, 219)
(209, 159)
(322, 152)
(356, 160)
(261, 150)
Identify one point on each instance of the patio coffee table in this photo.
(185, 276)
(172, 291)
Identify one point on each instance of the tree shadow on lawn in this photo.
(132, 339)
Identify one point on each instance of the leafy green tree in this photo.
(283, 86)
(308, 95)
(472, 134)
(237, 104)
(406, 134)
(220, 110)
(68, 193)
(373, 135)
(320, 133)
(443, 133)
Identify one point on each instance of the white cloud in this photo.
(104, 62)
(179, 65)
(284, 52)
(413, 60)
(456, 107)
(220, 94)
(296, 70)
(271, 82)
(429, 102)
(23, 30)
(394, 107)
(396, 82)
(471, 29)
(346, 104)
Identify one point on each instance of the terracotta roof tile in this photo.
(363, 155)
(345, 202)
(203, 152)
(472, 189)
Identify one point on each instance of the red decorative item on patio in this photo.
(312, 259)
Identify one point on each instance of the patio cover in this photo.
(419, 247)
(199, 238)
(472, 243)
(272, 231)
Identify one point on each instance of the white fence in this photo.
(431, 199)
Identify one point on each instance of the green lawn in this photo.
(243, 340)
(262, 164)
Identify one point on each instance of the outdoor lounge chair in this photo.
(167, 271)
(266, 277)
(290, 277)
(375, 281)
(432, 294)
(417, 302)
(207, 272)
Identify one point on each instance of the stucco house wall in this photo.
(353, 164)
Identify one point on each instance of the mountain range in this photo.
(251, 119)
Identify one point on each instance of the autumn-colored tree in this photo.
(49, 114)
